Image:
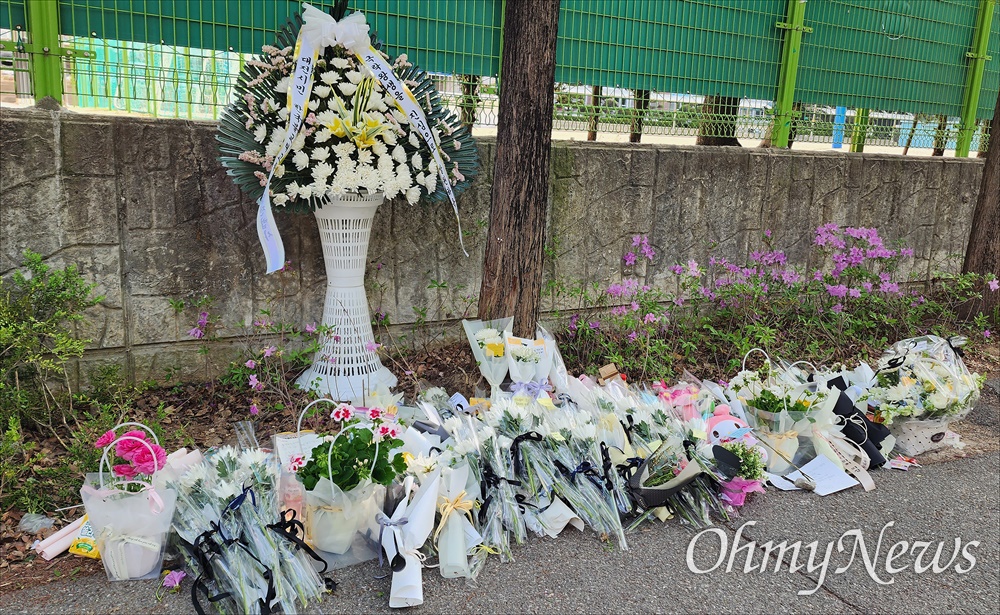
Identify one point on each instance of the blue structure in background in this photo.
(839, 118)
(924, 135)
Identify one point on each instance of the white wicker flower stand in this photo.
(344, 368)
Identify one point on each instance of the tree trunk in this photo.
(984, 140)
(913, 130)
(469, 101)
(718, 123)
(983, 252)
(768, 140)
(641, 105)
(512, 267)
(940, 136)
(595, 103)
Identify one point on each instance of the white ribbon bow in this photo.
(325, 31)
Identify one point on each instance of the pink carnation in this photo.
(125, 470)
(126, 449)
(147, 462)
(106, 439)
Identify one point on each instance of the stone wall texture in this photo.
(145, 210)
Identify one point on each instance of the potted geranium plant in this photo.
(338, 153)
(346, 475)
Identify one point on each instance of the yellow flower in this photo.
(338, 127)
(496, 348)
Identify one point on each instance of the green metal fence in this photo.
(906, 73)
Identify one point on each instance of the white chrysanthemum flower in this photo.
(300, 160)
(325, 118)
(282, 86)
(330, 77)
(365, 157)
(389, 136)
(227, 490)
(347, 89)
(431, 183)
(322, 171)
(305, 192)
(340, 63)
(283, 113)
(385, 165)
(413, 195)
(432, 168)
(417, 161)
(399, 154)
(322, 135)
(260, 133)
(279, 171)
(344, 149)
(293, 190)
(414, 140)
(320, 154)
(274, 145)
(353, 76)
(400, 117)
(299, 142)
(253, 457)
(420, 179)
(319, 188)
(379, 149)
(321, 90)
(280, 199)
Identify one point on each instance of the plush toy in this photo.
(724, 427)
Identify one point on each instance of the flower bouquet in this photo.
(130, 518)
(486, 340)
(923, 386)
(346, 475)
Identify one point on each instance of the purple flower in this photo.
(679, 301)
(818, 275)
(632, 336)
(255, 384)
(595, 324)
(270, 350)
(867, 286)
(630, 258)
(853, 293)
(196, 333)
(173, 578)
(994, 285)
(251, 364)
(837, 308)
(767, 233)
(619, 310)
(693, 270)
(203, 319)
(254, 410)
(986, 333)
(636, 240)
(650, 318)
(372, 346)
(336, 338)
(635, 306)
(572, 321)
(907, 252)
(677, 269)
(889, 287)
(311, 328)
(836, 291)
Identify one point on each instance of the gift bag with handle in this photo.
(130, 520)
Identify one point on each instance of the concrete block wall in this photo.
(145, 210)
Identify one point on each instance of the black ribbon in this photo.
(238, 500)
(491, 480)
(606, 466)
(868, 437)
(625, 470)
(206, 547)
(628, 428)
(586, 468)
(294, 531)
(956, 349)
(515, 449)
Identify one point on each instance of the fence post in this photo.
(790, 49)
(860, 131)
(974, 77)
(46, 59)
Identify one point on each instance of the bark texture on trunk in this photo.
(641, 106)
(512, 267)
(718, 124)
(983, 252)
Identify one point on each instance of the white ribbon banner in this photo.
(320, 30)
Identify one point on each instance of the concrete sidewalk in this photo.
(576, 573)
